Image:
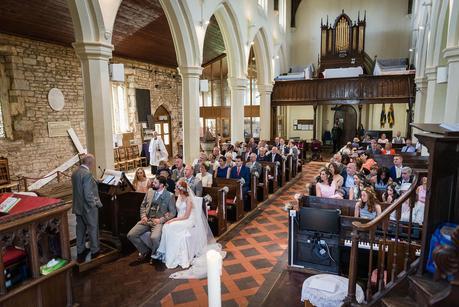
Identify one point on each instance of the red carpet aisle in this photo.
(253, 248)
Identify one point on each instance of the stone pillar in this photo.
(452, 93)
(190, 105)
(265, 91)
(420, 102)
(94, 58)
(238, 88)
(429, 117)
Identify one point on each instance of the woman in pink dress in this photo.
(325, 187)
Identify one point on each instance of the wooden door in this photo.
(346, 116)
(163, 127)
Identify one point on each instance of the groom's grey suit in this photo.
(155, 205)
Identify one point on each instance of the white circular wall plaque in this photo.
(56, 99)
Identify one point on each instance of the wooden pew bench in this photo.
(216, 209)
(234, 198)
(272, 170)
(346, 206)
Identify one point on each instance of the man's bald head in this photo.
(88, 160)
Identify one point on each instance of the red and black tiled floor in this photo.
(256, 259)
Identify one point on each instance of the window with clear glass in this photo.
(120, 108)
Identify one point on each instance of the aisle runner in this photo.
(252, 254)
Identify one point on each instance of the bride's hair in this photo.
(182, 186)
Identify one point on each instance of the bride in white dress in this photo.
(186, 238)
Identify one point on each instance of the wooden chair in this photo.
(5, 181)
(117, 162)
(136, 152)
(132, 157)
(123, 158)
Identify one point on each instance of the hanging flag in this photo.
(383, 116)
(390, 116)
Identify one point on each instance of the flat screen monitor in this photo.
(320, 220)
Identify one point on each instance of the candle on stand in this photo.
(214, 268)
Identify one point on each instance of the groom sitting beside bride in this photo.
(180, 240)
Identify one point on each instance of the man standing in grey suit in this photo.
(157, 207)
(86, 204)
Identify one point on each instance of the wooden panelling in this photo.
(140, 32)
(367, 89)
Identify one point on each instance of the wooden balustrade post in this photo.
(24, 179)
(314, 123)
(353, 268)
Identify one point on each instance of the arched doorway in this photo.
(346, 116)
(162, 120)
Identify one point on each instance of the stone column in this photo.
(94, 58)
(190, 105)
(238, 88)
(265, 91)
(431, 73)
(420, 102)
(452, 93)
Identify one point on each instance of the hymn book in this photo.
(8, 204)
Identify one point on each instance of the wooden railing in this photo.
(365, 89)
(396, 252)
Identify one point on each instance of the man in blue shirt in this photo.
(409, 146)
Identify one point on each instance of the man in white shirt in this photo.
(396, 170)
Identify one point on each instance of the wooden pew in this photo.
(234, 197)
(262, 186)
(289, 167)
(216, 209)
(346, 206)
(411, 160)
(282, 172)
(253, 191)
(272, 169)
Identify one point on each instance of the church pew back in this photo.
(234, 195)
(217, 211)
(345, 205)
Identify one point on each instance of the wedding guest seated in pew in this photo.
(204, 175)
(372, 177)
(170, 183)
(293, 149)
(374, 148)
(390, 195)
(197, 162)
(283, 149)
(418, 210)
(405, 211)
(388, 150)
(345, 160)
(346, 149)
(337, 159)
(367, 160)
(178, 170)
(396, 170)
(337, 178)
(161, 166)
(366, 139)
(193, 183)
(274, 156)
(408, 146)
(141, 183)
(367, 207)
(240, 171)
(407, 176)
(383, 139)
(253, 165)
(325, 187)
(398, 139)
(262, 154)
(348, 178)
(222, 170)
(216, 153)
(229, 159)
(359, 184)
(383, 178)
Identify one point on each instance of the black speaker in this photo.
(318, 251)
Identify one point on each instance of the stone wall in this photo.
(164, 85)
(32, 68)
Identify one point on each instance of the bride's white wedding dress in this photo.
(182, 240)
(185, 243)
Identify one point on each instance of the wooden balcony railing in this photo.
(365, 89)
(392, 241)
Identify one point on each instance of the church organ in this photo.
(343, 43)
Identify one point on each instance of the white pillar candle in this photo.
(214, 267)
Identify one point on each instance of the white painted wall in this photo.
(387, 33)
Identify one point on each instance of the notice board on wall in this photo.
(303, 124)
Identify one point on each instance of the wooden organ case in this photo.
(343, 43)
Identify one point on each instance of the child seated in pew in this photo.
(390, 195)
(418, 210)
(383, 178)
(359, 184)
(367, 207)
